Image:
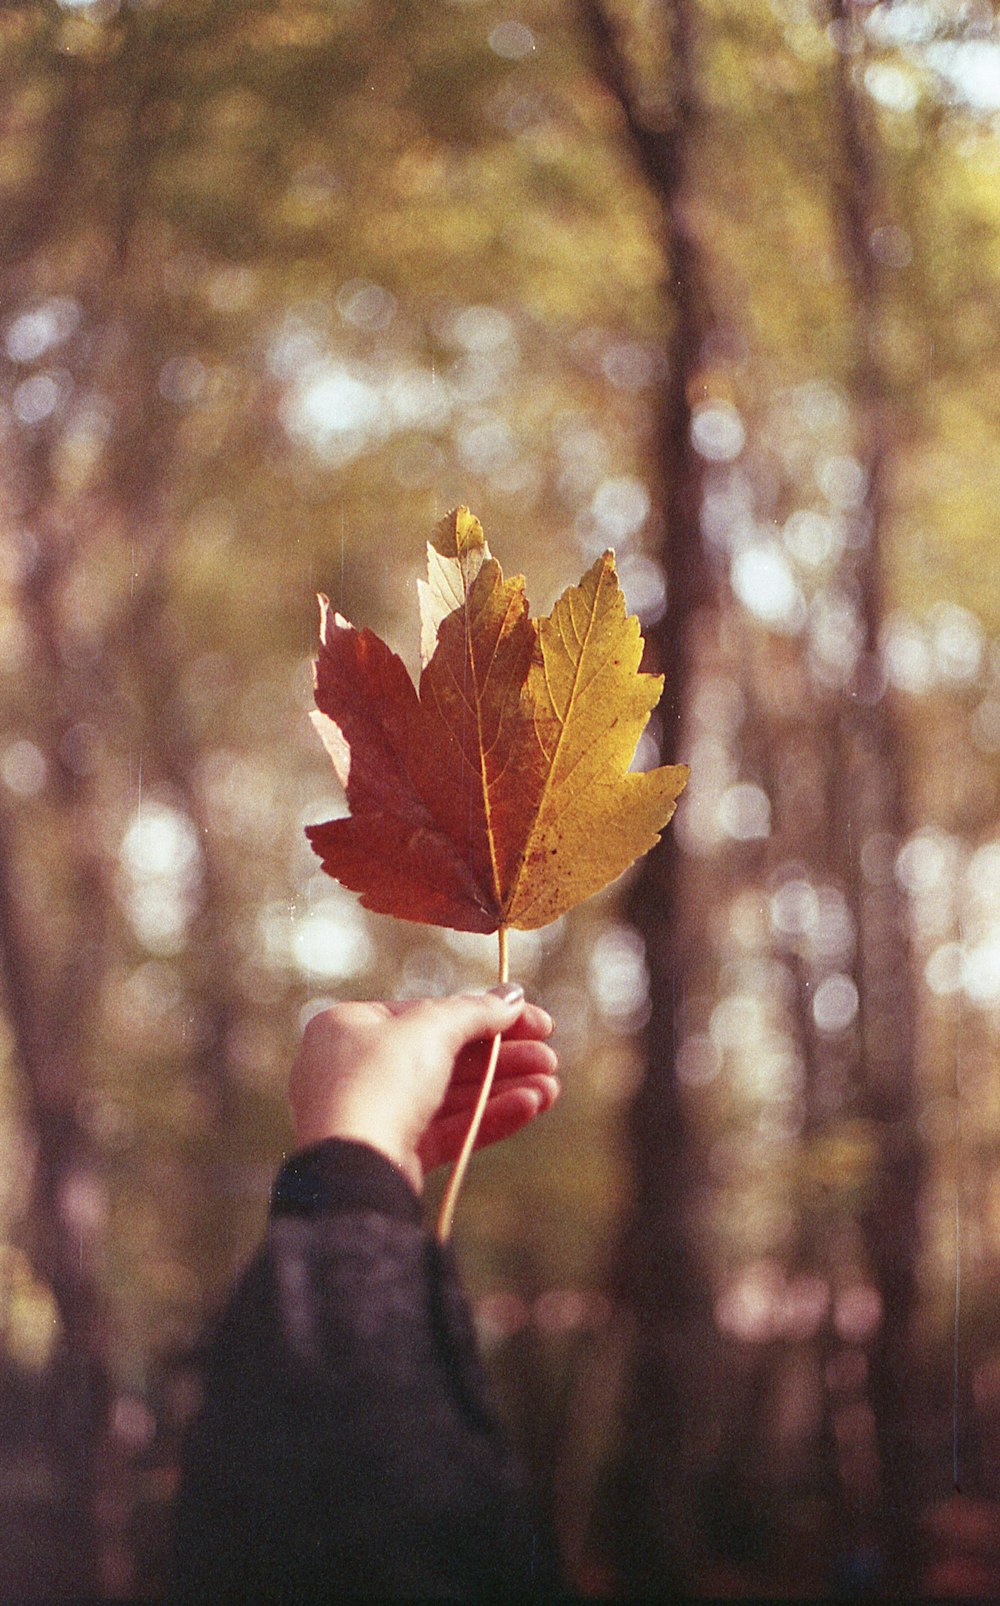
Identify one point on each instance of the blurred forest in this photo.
(713, 282)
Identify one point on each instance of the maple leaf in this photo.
(500, 795)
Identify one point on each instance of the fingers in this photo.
(507, 1111)
(532, 1025)
(471, 1062)
(464, 1018)
(529, 1021)
(517, 1061)
(533, 1021)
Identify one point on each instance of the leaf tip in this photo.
(458, 534)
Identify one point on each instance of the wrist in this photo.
(361, 1123)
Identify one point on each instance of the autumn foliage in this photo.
(499, 794)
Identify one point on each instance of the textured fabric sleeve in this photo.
(346, 1447)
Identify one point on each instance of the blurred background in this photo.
(713, 282)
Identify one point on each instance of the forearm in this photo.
(346, 1440)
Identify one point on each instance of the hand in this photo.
(404, 1077)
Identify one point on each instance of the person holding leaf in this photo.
(346, 1446)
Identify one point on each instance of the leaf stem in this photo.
(457, 1177)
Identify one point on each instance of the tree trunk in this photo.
(656, 1276)
(65, 1222)
(872, 816)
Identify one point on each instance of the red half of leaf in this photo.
(392, 850)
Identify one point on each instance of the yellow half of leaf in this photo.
(591, 818)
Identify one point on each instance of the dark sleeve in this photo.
(346, 1446)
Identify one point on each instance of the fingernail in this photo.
(509, 992)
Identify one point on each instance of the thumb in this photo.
(466, 1017)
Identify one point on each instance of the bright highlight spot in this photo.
(326, 944)
(981, 970)
(795, 908)
(892, 86)
(835, 1003)
(957, 642)
(971, 68)
(512, 40)
(943, 971)
(481, 329)
(763, 581)
(813, 538)
(34, 333)
(745, 812)
(842, 481)
(23, 768)
(906, 655)
(645, 587)
(36, 399)
(159, 842)
(717, 431)
(620, 506)
(160, 861)
(366, 305)
(924, 862)
(619, 980)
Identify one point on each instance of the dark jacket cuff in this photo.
(342, 1175)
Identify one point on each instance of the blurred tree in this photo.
(656, 1275)
(870, 809)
